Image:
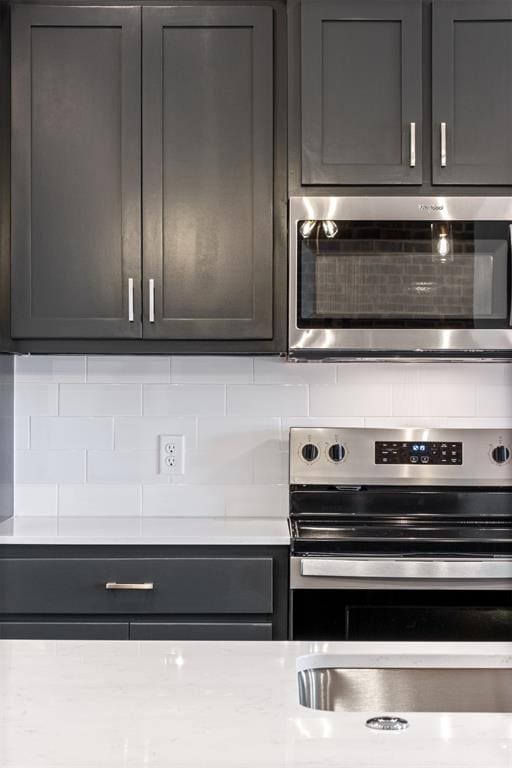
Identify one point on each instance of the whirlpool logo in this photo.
(424, 208)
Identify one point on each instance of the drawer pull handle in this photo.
(116, 585)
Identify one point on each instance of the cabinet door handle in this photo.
(130, 299)
(145, 585)
(151, 300)
(412, 161)
(443, 145)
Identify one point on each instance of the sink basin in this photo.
(406, 690)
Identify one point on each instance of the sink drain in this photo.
(387, 723)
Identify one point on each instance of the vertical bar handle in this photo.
(130, 299)
(412, 159)
(151, 300)
(443, 145)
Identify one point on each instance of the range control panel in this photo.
(360, 456)
(415, 452)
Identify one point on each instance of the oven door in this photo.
(377, 275)
(401, 599)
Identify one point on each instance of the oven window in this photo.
(403, 274)
(407, 615)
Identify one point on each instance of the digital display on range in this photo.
(423, 453)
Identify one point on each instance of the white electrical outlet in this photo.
(172, 454)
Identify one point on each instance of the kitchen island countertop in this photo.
(233, 705)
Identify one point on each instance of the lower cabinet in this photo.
(143, 593)
(64, 630)
(145, 630)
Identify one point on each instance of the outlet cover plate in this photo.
(172, 454)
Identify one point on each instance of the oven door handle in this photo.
(406, 569)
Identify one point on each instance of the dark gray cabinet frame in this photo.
(24, 20)
(262, 614)
(276, 339)
(320, 107)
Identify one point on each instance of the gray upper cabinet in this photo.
(472, 92)
(361, 101)
(208, 172)
(76, 157)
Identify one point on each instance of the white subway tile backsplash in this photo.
(71, 432)
(141, 432)
(494, 401)
(218, 501)
(434, 400)
(100, 400)
(211, 370)
(183, 500)
(270, 463)
(371, 400)
(207, 467)
(238, 433)
(123, 467)
(274, 370)
(363, 374)
(36, 400)
(22, 432)
(267, 400)
(48, 369)
(139, 369)
(35, 500)
(47, 466)
(100, 500)
(184, 400)
(257, 501)
(87, 428)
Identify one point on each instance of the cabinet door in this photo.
(207, 172)
(361, 91)
(75, 172)
(472, 92)
(63, 630)
(145, 630)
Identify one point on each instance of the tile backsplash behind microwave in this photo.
(87, 427)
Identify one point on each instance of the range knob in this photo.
(336, 452)
(309, 452)
(500, 454)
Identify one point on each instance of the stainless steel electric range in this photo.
(402, 534)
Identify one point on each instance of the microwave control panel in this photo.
(420, 453)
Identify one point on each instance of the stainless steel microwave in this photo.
(400, 277)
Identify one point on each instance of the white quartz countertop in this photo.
(232, 705)
(145, 530)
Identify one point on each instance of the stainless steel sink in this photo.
(406, 690)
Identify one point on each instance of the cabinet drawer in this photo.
(179, 585)
(63, 630)
(149, 630)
